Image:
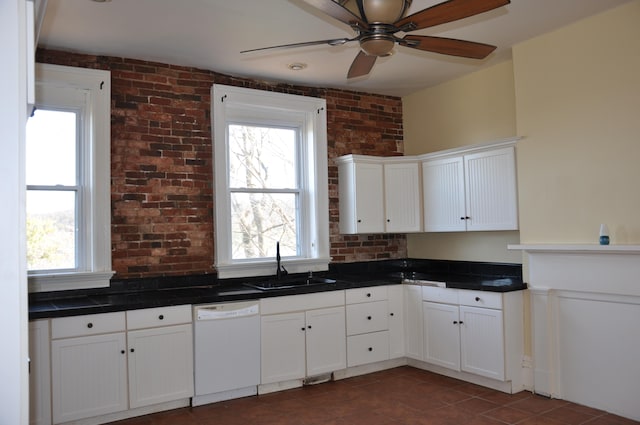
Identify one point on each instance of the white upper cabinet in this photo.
(379, 195)
(470, 190)
(361, 198)
(443, 195)
(402, 197)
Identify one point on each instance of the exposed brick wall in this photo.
(161, 162)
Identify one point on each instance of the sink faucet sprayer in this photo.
(280, 270)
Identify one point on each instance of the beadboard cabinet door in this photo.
(160, 365)
(491, 190)
(361, 197)
(402, 197)
(443, 195)
(471, 192)
(89, 376)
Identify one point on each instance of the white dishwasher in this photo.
(226, 350)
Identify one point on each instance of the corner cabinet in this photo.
(470, 190)
(477, 332)
(379, 194)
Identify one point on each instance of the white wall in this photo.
(13, 302)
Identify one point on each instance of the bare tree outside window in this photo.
(264, 190)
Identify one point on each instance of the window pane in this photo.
(51, 148)
(51, 230)
(259, 220)
(262, 157)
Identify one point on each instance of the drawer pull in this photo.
(89, 325)
(303, 328)
(368, 317)
(477, 298)
(368, 294)
(390, 314)
(455, 322)
(370, 348)
(122, 351)
(161, 317)
(132, 350)
(309, 327)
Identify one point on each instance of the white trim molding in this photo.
(585, 305)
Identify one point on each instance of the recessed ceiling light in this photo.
(297, 66)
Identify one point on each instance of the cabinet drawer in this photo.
(481, 299)
(90, 324)
(160, 316)
(367, 348)
(440, 295)
(367, 317)
(363, 295)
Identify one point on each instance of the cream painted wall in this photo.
(473, 109)
(476, 108)
(578, 106)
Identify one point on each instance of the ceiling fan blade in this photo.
(330, 42)
(449, 11)
(361, 65)
(338, 12)
(448, 46)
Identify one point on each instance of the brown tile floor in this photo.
(401, 396)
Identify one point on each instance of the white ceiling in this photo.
(209, 34)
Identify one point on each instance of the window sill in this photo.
(268, 268)
(67, 281)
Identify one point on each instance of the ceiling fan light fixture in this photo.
(377, 45)
(383, 11)
(297, 66)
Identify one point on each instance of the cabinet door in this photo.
(441, 335)
(443, 195)
(369, 198)
(396, 321)
(482, 342)
(491, 193)
(413, 321)
(361, 197)
(282, 347)
(402, 198)
(89, 376)
(325, 340)
(160, 365)
(39, 373)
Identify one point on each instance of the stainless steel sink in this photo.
(287, 283)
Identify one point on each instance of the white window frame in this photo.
(94, 251)
(232, 104)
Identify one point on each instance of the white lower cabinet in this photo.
(88, 370)
(413, 322)
(375, 321)
(308, 341)
(160, 358)
(98, 367)
(465, 331)
(395, 294)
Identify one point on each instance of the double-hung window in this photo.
(270, 160)
(67, 173)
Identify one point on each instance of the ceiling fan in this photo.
(377, 22)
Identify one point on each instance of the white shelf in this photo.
(578, 248)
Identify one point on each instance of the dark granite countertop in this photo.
(146, 293)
